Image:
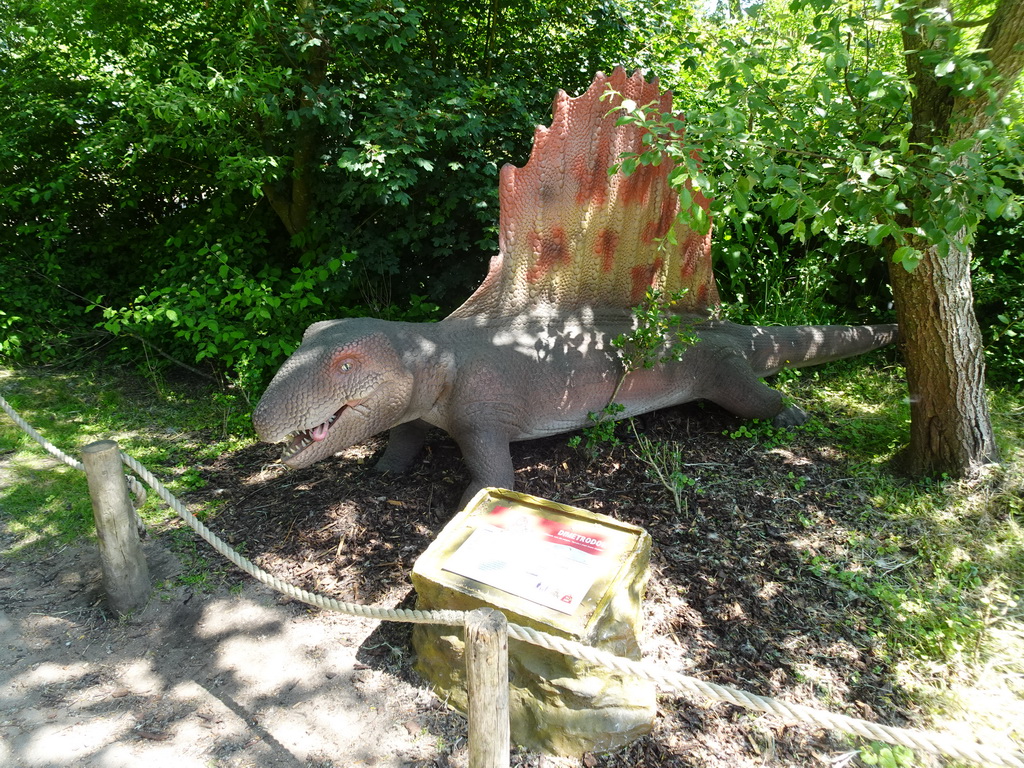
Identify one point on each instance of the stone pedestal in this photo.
(558, 569)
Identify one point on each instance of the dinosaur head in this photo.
(342, 385)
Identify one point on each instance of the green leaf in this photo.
(962, 146)
(908, 257)
(994, 206)
(788, 208)
(878, 233)
(685, 199)
(945, 67)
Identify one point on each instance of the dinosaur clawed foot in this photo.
(791, 416)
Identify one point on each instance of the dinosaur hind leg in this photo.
(733, 385)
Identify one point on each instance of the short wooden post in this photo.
(487, 686)
(125, 573)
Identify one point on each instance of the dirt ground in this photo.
(234, 675)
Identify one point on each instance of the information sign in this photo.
(549, 561)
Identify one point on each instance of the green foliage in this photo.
(600, 433)
(245, 323)
(658, 335)
(796, 125)
(764, 432)
(999, 300)
(885, 756)
(163, 141)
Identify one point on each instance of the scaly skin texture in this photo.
(529, 354)
(489, 385)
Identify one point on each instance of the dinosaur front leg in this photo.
(485, 452)
(733, 385)
(405, 442)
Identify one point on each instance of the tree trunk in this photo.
(292, 199)
(951, 429)
(950, 426)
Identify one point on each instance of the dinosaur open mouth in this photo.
(297, 442)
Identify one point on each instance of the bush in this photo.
(999, 300)
(207, 178)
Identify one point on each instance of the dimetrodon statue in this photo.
(530, 353)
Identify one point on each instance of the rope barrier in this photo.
(447, 618)
(926, 741)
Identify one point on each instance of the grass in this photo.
(941, 563)
(44, 502)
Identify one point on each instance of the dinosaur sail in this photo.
(573, 236)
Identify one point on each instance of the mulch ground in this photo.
(732, 597)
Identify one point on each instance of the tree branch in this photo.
(1003, 43)
(969, 24)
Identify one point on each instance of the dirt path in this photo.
(238, 678)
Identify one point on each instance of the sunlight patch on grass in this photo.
(938, 565)
(866, 413)
(42, 501)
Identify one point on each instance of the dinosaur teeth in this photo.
(295, 445)
(297, 442)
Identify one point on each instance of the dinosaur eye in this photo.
(343, 362)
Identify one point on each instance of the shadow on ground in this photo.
(240, 677)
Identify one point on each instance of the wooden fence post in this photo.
(125, 573)
(486, 634)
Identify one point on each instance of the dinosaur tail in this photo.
(773, 348)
